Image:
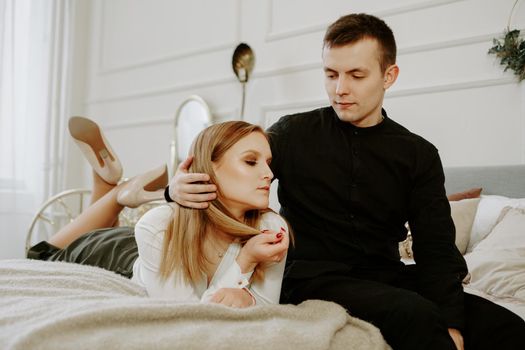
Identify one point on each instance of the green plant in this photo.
(511, 51)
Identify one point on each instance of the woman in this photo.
(232, 253)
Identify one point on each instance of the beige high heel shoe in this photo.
(144, 188)
(96, 149)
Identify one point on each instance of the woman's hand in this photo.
(268, 246)
(233, 297)
(457, 338)
(190, 189)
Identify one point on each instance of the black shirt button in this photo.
(354, 185)
(355, 132)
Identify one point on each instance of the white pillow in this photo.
(508, 233)
(497, 263)
(489, 210)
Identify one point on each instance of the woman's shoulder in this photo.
(156, 219)
(272, 221)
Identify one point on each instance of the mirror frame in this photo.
(173, 148)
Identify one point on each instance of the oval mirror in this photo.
(192, 116)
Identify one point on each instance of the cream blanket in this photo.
(50, 305)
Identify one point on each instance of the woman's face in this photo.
(243, 174)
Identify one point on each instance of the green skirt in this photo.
(113, 249)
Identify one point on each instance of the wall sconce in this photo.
(243, 61)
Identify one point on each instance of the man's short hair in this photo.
(357, 26)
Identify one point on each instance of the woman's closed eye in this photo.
(251, 162)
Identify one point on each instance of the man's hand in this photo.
(269, 246)
(233, 297)
(457, 338)
(191, 189)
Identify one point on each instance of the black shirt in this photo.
(348, 192)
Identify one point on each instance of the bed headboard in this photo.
(504, 180)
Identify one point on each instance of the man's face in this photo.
(355, 83)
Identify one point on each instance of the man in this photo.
(349, 179)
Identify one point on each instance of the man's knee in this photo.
(491, 326)
(415, 311)
(512, 332)
(414, 322)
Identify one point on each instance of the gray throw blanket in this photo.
(55, 305)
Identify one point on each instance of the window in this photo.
(14, 80)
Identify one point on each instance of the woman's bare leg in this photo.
(100, 187)
(102, 213)
(104, 210)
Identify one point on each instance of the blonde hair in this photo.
(183, 247)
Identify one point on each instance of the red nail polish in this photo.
(282, 229)
(279, 235)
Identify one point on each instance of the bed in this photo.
(50, 305)
(56, 305)
(488, 209)
(492, 228)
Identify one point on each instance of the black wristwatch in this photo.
(167, 195)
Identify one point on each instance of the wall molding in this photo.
(298, 68)
(222, 115)
(446, 44)
(306, 105)
(104, 69)
(293, 105)
(467, 85)
(287, 70)
(225, 115)
(309, 104)
(161, 120)
(217, 116)
(272, 35)
(162, 90)
(418, 48)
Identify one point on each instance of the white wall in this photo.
(145, 57)
(135, 61)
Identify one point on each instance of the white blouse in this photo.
(149, 234)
